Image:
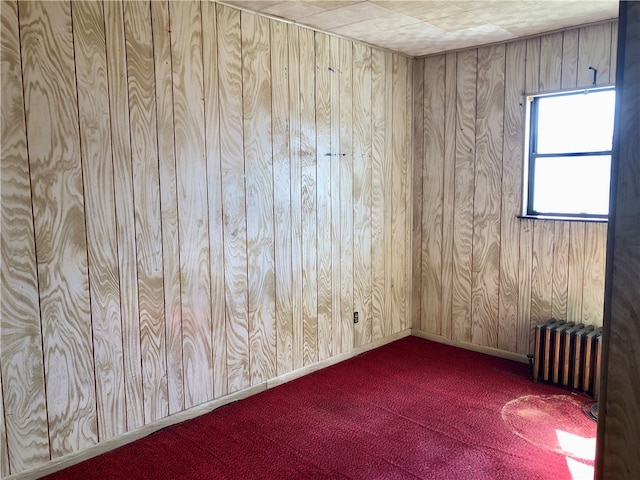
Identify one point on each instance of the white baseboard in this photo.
(518, 357)
(116, 442)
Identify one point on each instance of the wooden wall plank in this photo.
(214, 182)
(4, 449)
(541, 273)
(594, 50)
(188, 114)
(550, 67)
(282, 200)
(399, 208)
(532, 66)
(595, 247)
(378, 88)
(295, 142)
(346, 160)
(323, 158)
(576, 271)
(432, 198)
(408, 194)
(24, 433)
(463, 206)
(362, 177)
(524, 291)
(387, 169)
(233, 197)
(61, 250)
(512, 161)
(613, 57)
(97, 168)
(560, 270)
(309, 166)
(448, 190)
(416, 175)
(335, 161)
(256, 83)
(488, 193)
(168, 203)
(142, 117)
(570, 41)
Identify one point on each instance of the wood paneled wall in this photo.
(486, 276)
(194, 200)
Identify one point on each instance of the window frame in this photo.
(531, 138)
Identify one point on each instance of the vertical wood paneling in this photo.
(524, 290)
(408, 195)
(188, 114)
(256, 94)
(233, 197)
(576, 271)
(214, 183)
(54, 159)
(97, 169)
(168, 203)
(560, 270)
(594, 50)
(432, 198)
(614, 52)
(416, 175)
(335, 195)
(448, 189)
(550, 67)
(346, 240)
(309, 166)
(282, 201)
(487, 198)
(143, 133)
(323, 158)
(23, 435)
(295, 137)
(124, 205)
(512, 161)
(362, 177)
(4, 449)
(595, 247)
(398, 205)
(570, 40)
(541, 273)
(387, 171)
(463, 206)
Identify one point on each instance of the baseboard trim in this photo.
(121, 440)
(518, 357)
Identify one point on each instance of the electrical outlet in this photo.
(355, 317)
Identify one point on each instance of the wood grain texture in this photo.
(54, 159)
(417, 192)
(463, 206)
(613, 58)
(5, 469)
(295, 169)
(378, 88)
(233, 197)
(560, 270)
(192, 193)
(408, 194)
(523, 340)
(362, 177)
(576, 272)
(97, 169)
(324, 164)
(594, 50)
(142, 117)
(595, 247)
(512, 161)
(347, 273)
(25, 442)
(550, 67)
(488, 193)
(309, 166)
(124, 207)
(399, 208)
(617, 455)
(214, 184)
(570, 41)
(448, 190)
(335, 341)
(389, 321)
(541, 273)
(256, 107)
(160, 21)
(432, 199)
(532, 68)
(282, 201)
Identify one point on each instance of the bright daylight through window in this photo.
(569, 154)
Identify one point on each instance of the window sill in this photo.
(564, 219)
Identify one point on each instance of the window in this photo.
(569, 154)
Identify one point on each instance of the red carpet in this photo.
(411, 409)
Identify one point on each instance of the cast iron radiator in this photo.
(568, 354)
